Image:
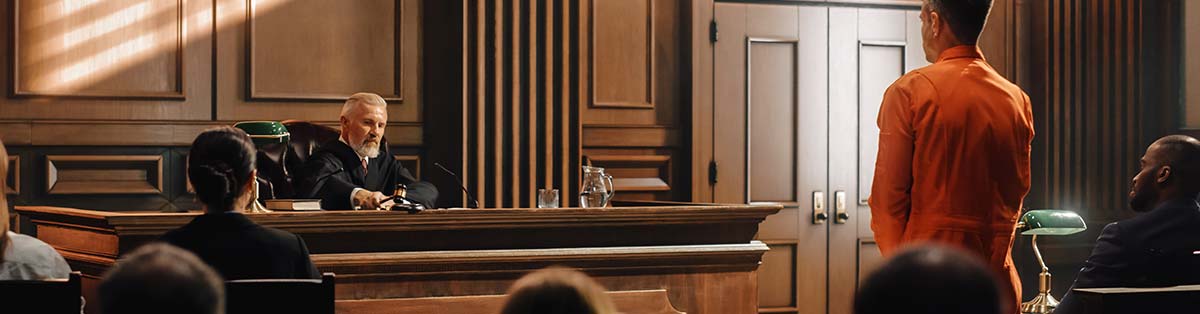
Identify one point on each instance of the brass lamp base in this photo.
(1044, 303)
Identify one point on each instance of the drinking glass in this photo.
(547, 198)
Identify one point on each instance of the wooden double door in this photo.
(796, 91)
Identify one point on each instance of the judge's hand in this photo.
(368, 200)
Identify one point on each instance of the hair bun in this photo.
(217, 184)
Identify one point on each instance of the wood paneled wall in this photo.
(102, 97)
(1103, 77)
(550, 85)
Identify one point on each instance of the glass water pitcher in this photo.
(597, 188)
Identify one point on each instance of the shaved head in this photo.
(1169, 169)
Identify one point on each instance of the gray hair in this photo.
(370, 99)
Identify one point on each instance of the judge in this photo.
(356, 171)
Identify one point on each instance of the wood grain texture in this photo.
(630, 136)
(521, 96)
(123, 60)
(622, 43)
(290, 71)
(362, 53)
(636, 173)
(706, 274)
(630, 302)
(104, 174)
(115, 49)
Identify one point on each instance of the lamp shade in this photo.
(1051, 222)
(265, 132)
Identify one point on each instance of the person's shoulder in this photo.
(280, 237)
(30, 251)
(28, 246)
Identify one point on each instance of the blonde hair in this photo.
(557, 290)
(3, 201)
(357, 99)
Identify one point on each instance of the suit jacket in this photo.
(953, 163)
(241, 249)
(334, 171)
(1155, 249)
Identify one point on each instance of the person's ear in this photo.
(1163, 175)
(250, 183)
(935, 23)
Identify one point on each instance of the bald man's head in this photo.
(1170, 168)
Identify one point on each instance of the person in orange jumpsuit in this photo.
(954, 142)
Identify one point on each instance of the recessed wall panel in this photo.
(623, 53)
(315, 50)
(772, 120)
(101, 49)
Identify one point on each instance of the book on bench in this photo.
(294, 204)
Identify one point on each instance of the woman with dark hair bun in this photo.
(220, 167)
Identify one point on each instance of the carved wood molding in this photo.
(104, 174)
(253, 93)
(12, 183)
(650, 62)
(630, 302)
(715, 257)
(616, 165)
(153, 133)
(15, 73)
(630, 136)
(143, 223)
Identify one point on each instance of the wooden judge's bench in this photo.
(694, 258)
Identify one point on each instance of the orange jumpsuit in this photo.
(953, 164)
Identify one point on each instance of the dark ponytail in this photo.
(219, 165)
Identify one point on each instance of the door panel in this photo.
(729, 113)
(874, 47)
(772, 123)
(770, 108)
(780, 113)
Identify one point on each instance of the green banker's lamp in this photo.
(263, 133)
(1047, 222)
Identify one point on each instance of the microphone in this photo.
(470, 197)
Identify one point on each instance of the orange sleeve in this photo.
(891, 199)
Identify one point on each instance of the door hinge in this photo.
(712, 172)
(712, 31)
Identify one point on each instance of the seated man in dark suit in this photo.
(221, 168)
(357, 171)
(1161, 246)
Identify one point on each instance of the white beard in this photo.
(369, 150)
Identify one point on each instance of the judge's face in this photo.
(363, 127)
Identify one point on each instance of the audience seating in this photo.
(41, 296)
(280, 295)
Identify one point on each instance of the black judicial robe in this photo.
(1159, 248)
(238, 248)
(334, 171)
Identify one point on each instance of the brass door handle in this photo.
(818, 205)
(840, 214)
